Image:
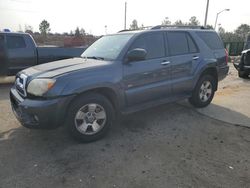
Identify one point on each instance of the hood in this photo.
(56, 68)
(245, 51)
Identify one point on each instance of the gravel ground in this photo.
(168, 146)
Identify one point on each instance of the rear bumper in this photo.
(222, 72)
(39, 114)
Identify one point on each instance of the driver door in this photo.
(148, 80)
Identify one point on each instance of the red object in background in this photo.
(226, 56)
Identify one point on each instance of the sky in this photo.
(94, 15)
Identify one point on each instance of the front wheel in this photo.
(203, 92)
(89, 117)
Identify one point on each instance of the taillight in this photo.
(226, 56)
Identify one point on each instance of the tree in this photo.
(44, 27)
(230, 37)
(28, 29)
(166, 21)
(134, 25)
(179, 23)
(141, 27)
(82, 32)
(77, 32)
(193, 21)
(209, 27)
(242, 31)
(221, 30)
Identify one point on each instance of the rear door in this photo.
(184, 58)
(148, 80)
(20, 53)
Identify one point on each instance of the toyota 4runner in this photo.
(120, 73)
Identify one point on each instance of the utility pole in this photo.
(105, 29)
(205, 22)
(125, 18)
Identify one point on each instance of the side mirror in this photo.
(136, 54)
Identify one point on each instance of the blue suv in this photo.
(118, 74)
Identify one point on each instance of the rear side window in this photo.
(211, 39)
(177, 43)
(153, 43)
(14, 42)
(181, 43)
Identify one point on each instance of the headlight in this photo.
(38, 87)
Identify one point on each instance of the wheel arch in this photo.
(208, 71)
(107, 92)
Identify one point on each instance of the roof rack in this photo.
(178, 26)
(166, 26)
(124, 30)
(141, 28)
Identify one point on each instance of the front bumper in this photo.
(39, 114)
(240, 67)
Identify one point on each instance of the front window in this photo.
(107, 47)
(153, 43)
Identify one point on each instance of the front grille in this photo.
(20, 84)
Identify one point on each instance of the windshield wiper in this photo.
(94, 57)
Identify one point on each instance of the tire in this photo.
(243, 74)
(90, 117)
(202, 97)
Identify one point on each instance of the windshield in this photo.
(107, 47)
(247, 46)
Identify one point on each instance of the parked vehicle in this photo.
(120, 73)
(247, 43)
(19, 51)
(243, 65)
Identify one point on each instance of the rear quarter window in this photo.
(14, 42)
(211, 39)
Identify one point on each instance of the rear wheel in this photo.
(90, 117)
(203, 92)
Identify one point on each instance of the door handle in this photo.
(195, 57)
(165, 62)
